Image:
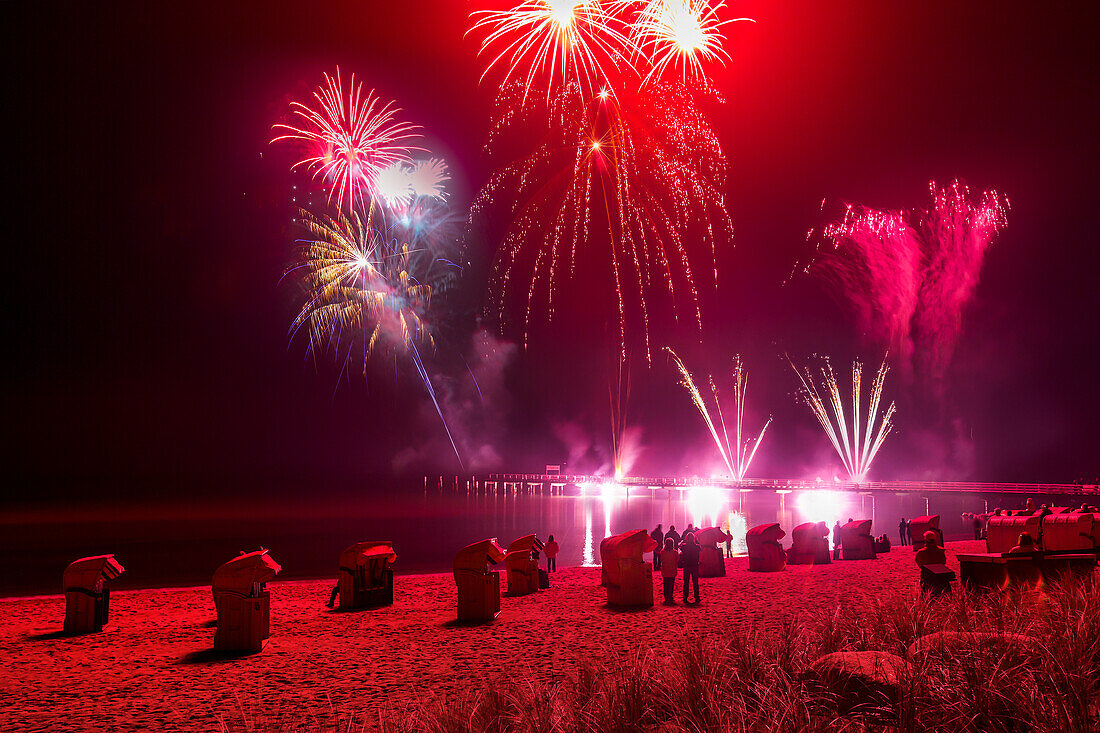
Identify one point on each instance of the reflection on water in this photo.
(168, 547)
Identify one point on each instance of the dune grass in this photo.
(757, 682)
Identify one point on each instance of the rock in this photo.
(954, 643)
(861, 682)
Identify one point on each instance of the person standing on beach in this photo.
(673, 534)
(903, 531)
(670, 561)
(658, 536)
(689, 557)
(836, 540)
(729, 543)
(551, 550)
(690, 530)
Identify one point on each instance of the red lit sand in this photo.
(153, 669)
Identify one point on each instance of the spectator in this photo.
(551, 550)
(836, 540)
(932, 554)
(670, 561)
(729, 543)
(903, 531)
(673, 534)
(658, 536)
(1024, 544)
(977, 527)
(689, 557)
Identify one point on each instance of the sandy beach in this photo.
(154, 669)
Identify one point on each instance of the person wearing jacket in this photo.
(689, 558)
(670, 562)
(551, 550)
(658, 536)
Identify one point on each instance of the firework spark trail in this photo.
(572, 41)
(350, 140)
(363, 289)
(858, 448)
(618, 393)
(739, 454)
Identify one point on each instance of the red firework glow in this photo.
(638, 154)
(649, 167)
(910, 274)
(349, 139)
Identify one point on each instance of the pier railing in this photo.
(682, 482)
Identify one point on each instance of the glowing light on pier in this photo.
(859, 445)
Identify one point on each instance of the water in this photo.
(183, 544)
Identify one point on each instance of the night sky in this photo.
(149, 222)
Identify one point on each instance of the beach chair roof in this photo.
(810, 530)
(710, 536)
(527, 543)
(479, 555)
(632, 544)
(767, 532)
(363, 552)
(857, 526)
(242, 571)
(87, 571)
(931, 520)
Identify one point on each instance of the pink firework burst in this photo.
(909, 274)
(349, 139)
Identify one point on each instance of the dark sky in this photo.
(149, 223)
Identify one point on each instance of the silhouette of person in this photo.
(551, 549)
(689, 558)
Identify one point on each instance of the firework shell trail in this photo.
(348, 140)
(364, 290)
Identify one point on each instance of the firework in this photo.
(680, 33)
(567, 41)
(909, 274)
(956, 232)
(880, 272)
(349, 140)
(739, 453)
(649, 168)
(364, 290)
(858, 446)
(618, 395)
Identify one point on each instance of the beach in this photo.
(154, 669)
